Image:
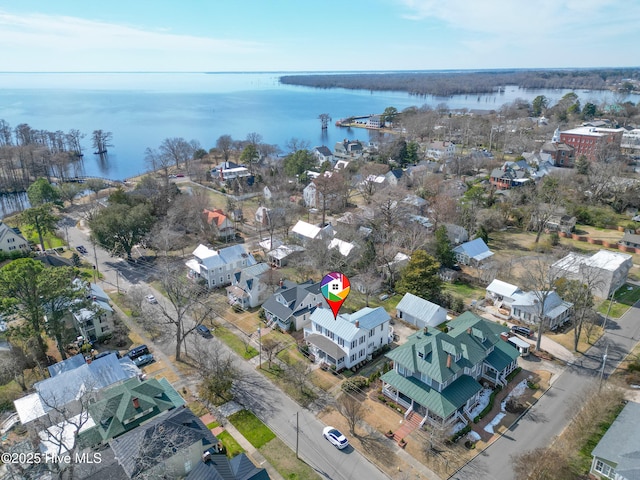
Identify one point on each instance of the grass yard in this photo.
(324, 380)
(624, 299)
(566, 339)
(252, 428)
(232, 340)
(277, 375)
(464, 290)
(285, 462)
(232, 447)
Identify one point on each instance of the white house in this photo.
(345, 248)
(11, 239)
(420, 312)
(310, 196)
(96, 321)
(323, 154)
(249, 287)
(501, 293)
(305, 231)
(349, 339)
(215, 267)
(281, 254)
(441, 150)
(608, 269)
(229, 171)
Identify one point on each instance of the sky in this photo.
(311, 35)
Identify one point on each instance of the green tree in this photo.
(20, 294)
(41, 191)
(539, 104)
(582, 165)
(444, 252)
(59, 296)
(412, 152)
(483, 234)
(589, 111)
(420, 276)
(41, 219)
(389, 114)
(250, 155)
(120, 227)
(298, 162)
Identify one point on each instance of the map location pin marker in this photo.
(335, 287)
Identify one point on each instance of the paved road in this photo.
(255, 392)
(551, 414)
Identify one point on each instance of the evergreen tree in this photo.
(444, 252)
(420, 277)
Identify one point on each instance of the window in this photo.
(381, 327)
(354, 343)
(341, 342)
(371, 332)
(362, 338)
(604, 469)
(353, 357)
(361, 354)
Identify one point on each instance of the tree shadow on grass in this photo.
(377, 447)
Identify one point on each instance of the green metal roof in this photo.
(503, 354)
(443, 404)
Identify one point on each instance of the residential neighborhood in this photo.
(491, 280)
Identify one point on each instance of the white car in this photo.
(636, 218)
(151, 299)
(336, 438)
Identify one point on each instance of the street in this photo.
(254, 392)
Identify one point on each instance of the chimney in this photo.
(357, 323)
(425, 330)
(136, 402)
(281, 283)
(469, 330)
(449, 361)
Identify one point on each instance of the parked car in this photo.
(137, 352)
(151, 299)
(336, 438)
(524, 331)
(204, 331)
(143, 360)
(82, 250)
(105, 353)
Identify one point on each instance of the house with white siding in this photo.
(11, 239)
(348, 339)
(215, 267)
(290, 308)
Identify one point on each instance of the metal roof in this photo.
(475, 249)
(621, 443)
(422, 309)
(501, 288)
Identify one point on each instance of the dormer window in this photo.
(421, 355)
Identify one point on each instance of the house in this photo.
(215, 267)
(438, 376)
(226, 171)
(11, 239)
(630, 239)
(456, 234)
(526, 308)
(292, 305)
(441, 150)
(390, 269)
(306, 232)
(176, 444)
(223, 225)
(562, 155)
(70, 382)
(510, 301)
(616, 454)
(561, 223)
(631, 138)
(473, 252)
(508, 177)
(345, 248)
(323, 154)
(375, 121)
(95, 321)
(348, 149)
(249, 286)
(608, 269)
(280, 256)
(310, 196)
(416, 204)
(393, 177)
(126, 406)
(348, 339)
(420, 312)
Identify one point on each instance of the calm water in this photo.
(142, 109)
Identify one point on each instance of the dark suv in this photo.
(524, 331)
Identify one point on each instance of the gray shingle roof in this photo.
(621, 444)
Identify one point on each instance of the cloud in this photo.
(41, 38)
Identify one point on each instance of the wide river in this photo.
(142, 109)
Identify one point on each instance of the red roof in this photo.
(216, 216)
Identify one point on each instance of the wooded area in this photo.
(444, 84)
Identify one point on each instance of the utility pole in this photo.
(260, 344)
(604, 362)
(297, 433)
(96, 272)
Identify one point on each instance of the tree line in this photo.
(444, 84)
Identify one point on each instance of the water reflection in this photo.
(11, 203)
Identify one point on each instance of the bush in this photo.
(355, 384)
(532, 385)
(489, 406)
(461, 433)
(262, 315)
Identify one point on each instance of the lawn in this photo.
(566, 339)
(232, 340)
(464, 290)
(624, 299)
(252, 428)
(285, 462)
(232, 447)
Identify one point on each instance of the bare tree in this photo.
(217, 371)
(352, 409)
(101, 140)
(271, 347)
(178, 150)
(225, 144)
(297, 373)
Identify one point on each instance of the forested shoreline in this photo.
(453, 83)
